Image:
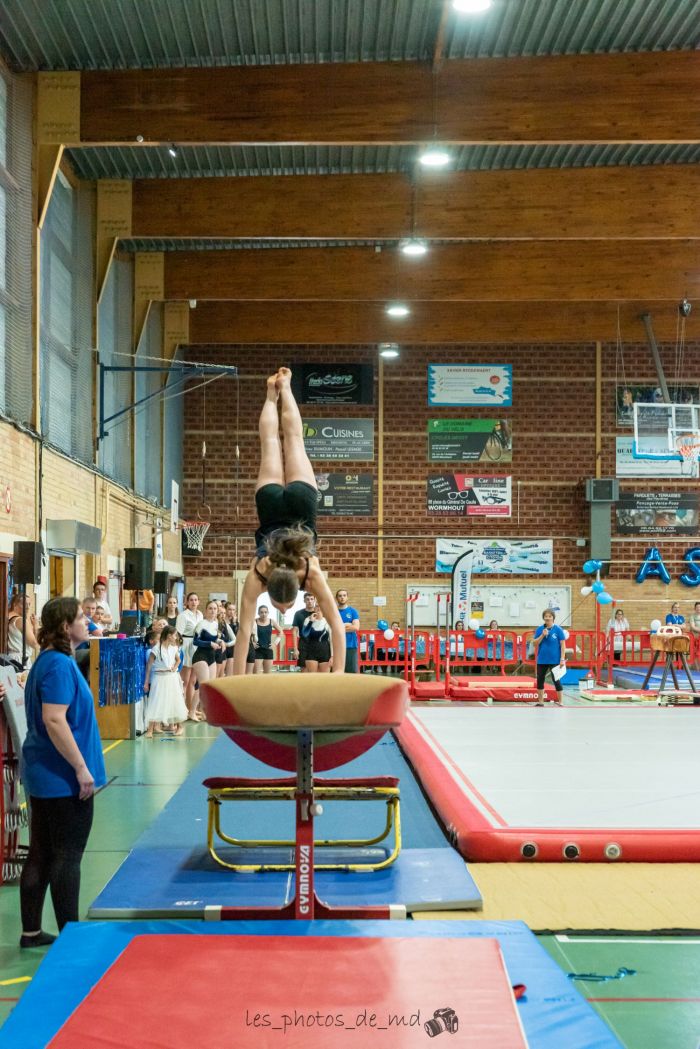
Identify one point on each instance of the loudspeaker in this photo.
(602, 490)
(26, 563)
(161, 582)
(138, 568)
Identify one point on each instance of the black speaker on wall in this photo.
(26, 563)
(161, 582)
(138, 568)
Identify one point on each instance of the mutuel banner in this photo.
(461, 587)
(333, 383)
(464, 495)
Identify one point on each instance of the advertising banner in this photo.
(469, 440)
(463, 495)
(657, 513)
(345, 495)
(333, 383)
(627, 466)
(627, 395)
(470, 385)
(340, 439)
(498, 556)
(461, 587)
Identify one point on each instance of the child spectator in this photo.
(166, 699)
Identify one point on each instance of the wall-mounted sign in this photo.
(469, 440)
(345, 495)
(626, 396)
(339, 439)
(657, 513)
(333, 383)
(470, 385)
(462, 495)
(498, 556)
(627, 466)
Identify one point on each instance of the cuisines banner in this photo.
(341, 439)
(657, 513)
(469, 440)
(333, 383)
(345, 495)
(463, 495)
(627, 466)
(498, 556)
(470, 385)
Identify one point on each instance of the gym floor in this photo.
(653, 1005)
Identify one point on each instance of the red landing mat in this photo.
(176, 992)
(506, 689)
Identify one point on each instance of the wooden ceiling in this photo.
(549, 255)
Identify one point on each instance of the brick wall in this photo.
(69, 491)
(553, 420)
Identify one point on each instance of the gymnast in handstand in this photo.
(286, 498)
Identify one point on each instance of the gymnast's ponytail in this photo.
(285, 549)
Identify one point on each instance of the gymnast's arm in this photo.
(322, 592)
(252, 589)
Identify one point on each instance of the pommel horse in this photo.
(305, 723)
(675, 644)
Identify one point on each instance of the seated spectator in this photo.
(674, 617)
(99, 591)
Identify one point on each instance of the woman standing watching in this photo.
(14, 632)
(231, 620)
(171, 610)
(185, 625)
(62, 768)
(207, 643)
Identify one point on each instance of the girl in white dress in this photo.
(166, 699)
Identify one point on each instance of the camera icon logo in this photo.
(443, 1020)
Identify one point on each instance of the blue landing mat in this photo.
(169, 873)
(633, 677)
(553, 1013)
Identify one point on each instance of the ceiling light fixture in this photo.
(471, 7)
(388, 350)
(173, 150)
(397, 309)
(413, 246)
(434, 157)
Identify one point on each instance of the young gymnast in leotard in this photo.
(286, 498)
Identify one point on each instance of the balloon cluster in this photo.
(598, 586)
(388, 632)
(475, 625)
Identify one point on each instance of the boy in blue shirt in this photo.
(351, 621)
(550, 647)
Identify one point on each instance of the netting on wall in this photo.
(67, 282)
(147, 416)
(173, 436)
(114, 327)
(16, 224)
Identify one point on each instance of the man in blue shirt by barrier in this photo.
(550, 647)
(351, 620)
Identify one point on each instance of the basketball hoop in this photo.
(194, 533)
(688, 447)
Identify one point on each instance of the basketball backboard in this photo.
(668, 431)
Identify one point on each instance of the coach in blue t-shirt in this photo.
(351, 619)
(62, 766)
(549, 644)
